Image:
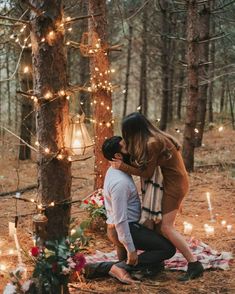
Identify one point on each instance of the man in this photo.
(123, 208)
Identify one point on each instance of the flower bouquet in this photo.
(54, 264)
(96, 209)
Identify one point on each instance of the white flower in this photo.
(9, 289)
(71, 263)
(26, 285)
(65, 270)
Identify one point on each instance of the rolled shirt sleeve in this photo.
(119, 194)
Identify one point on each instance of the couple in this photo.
(142, 149)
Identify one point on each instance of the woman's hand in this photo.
(116, 163)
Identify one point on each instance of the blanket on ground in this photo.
(209, 257)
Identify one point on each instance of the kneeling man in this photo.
(123, 208)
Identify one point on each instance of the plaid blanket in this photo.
(209, 258)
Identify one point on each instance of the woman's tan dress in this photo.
(175, 177)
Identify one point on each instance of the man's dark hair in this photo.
(111, 146)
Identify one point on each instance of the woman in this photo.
(149, 147)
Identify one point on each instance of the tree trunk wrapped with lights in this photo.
(101, 86)
(49, 65)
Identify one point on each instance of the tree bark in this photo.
(49, 67)
(84, 67)
(164, 63)
(171, 57)
(204, 27)
(222, 95)
(8, 87)
(212, 69)
(99, 64)
(127, 70)
(26, 83)
(231, 103)
(143, 67)
(192, 102)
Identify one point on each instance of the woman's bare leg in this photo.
(168, 230)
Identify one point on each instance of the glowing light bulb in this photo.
(47, 150)
(73, 231)
(48, 95)
(60, 156)
(68, 43)
(39, 206)
(96, 69)
(51, 34)
(68, 18)
(52, 203)
(43, 40)
(108, 124)
(2, 267)
(26, 69)
(11, 251)
(36, 143)
(29, 45)
(12, 36)
(70, 29)
(32, 200)
(62, 93)
(69, 158)
(220, 129)
(67, 97)
(196, 131)
(112, 70)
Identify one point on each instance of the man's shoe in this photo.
(154, 270)
(195, 270)
(121, 274)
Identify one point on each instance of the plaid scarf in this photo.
(152, 191)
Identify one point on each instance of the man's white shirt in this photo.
(122, 204)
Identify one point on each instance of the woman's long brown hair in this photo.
(136, 131)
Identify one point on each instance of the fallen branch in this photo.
(82, 17)
(23, 190)
(14, 19)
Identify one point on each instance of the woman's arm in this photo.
(154, 150)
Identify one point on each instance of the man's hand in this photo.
(132, 258)
(116, 163)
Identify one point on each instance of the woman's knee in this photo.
(166, 229)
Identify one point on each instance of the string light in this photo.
(11, 251)
(70, 29)
(48, 95)
(62, 93)
(3, 267)
(36, 143)
(43, 40)
(52, 203)
(26, 69)
(47, 150)
(68, 43)
(60, 156)
(221, 128)
(40, 206)
(29, 45)
(196, 131)
(73, 231)
(67, 97)
(69, 158)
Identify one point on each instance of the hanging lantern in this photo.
(78, 140)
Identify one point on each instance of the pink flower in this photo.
(80, 261)
(35, 251)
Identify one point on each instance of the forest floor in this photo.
(214, 174)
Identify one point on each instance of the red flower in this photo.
(93, 201)
(35, 251)
(54, 267)
(86, 201)
(80, 261)
(102, 198)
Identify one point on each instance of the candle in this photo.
(208, 196)
(210, 230)
(229, 228)
(223, 223)
(188, 228)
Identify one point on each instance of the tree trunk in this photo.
(192, 60)
(84, 67)
(212, 69)
(101, 96)
(204, 27)
(164, 63)
(128, 69)
(231, 103)
(49, 66)
(26, 83)
(222, 95)
(171, 57)
(180, 93)
(8, 87)
(143, 67)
